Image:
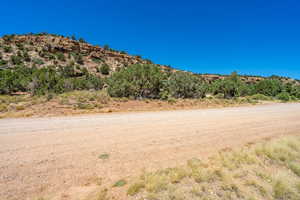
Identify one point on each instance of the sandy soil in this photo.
(59, 156)
(28, 107)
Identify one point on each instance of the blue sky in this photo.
(260, 37)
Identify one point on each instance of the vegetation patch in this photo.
(120, 183)
(103, 156)
(236, 174)
(261, 97)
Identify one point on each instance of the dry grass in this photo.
(102, 195)
(269, 170)
(82, 102)
(136, 188)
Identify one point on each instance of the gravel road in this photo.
(53, 155)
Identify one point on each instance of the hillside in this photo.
(42, 50)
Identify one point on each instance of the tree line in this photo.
(139, 81)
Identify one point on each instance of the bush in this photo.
(231, 87)
(105, 69)
(8, 38)
(138, 81)
(82, 40)
(3, 62)
(219, 96)
(283, 96)
(38, 61)
(184, 85)
(78, 58)
(60, 56)
(26, 56)
(45, 80)
(149, 81)
(293, 98)
(16, 60)
(7, 49)
(14, 80)
(269, 87)
(96, 60)
(295, 91)
(261, 97)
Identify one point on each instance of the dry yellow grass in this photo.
(269, 170)
(83, 102)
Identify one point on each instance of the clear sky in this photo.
(260, 37)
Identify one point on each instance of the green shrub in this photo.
(7, 49)
(26, 56)
(138, 81)
(295, 91)
(45, 80)
(16, 60)
(184, 85)
(49, 96)
(149, 81)
(261, 97)
(293, 98)
(231, 87)
(219, 96)
(120, 183)
(81, 40)
(78, 58)
(60, 56)
(283, 96)
(3, 62)
(38, 61)
(8, 38)
(14, 80)
(105, 69)
(103, 156)
(269, 87)
(96, 60)
(20, 46)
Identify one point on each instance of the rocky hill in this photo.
(44, 49)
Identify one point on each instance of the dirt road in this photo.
(60, 155)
